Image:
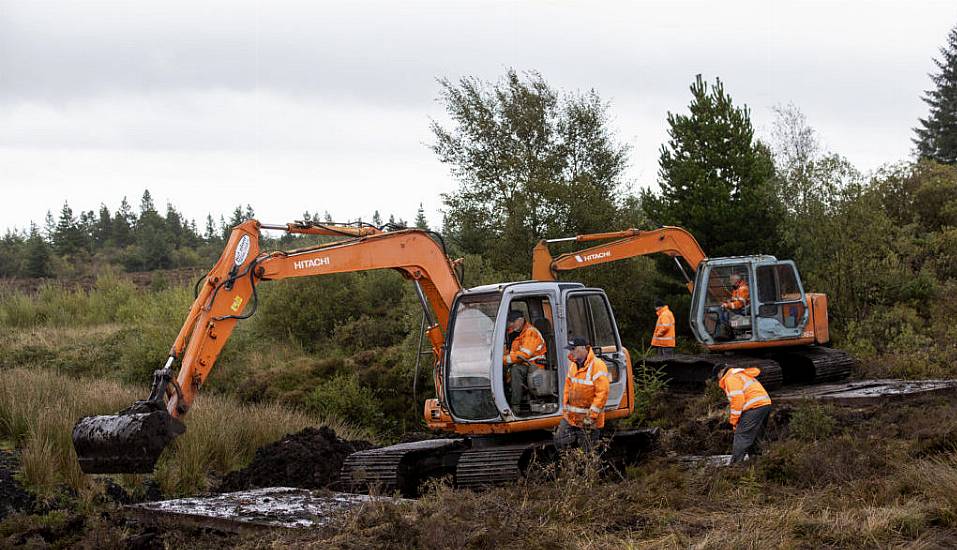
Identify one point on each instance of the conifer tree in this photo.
(38, 254)
(103, 229)
(420, 221)
(68, 237)
(123, 222)
(210, 234)
(937, 134)
(715, 179)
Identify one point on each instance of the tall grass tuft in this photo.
(38, 409)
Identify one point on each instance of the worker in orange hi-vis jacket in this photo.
(663, 340)
(750, 407)
(584, 398)
(527, 350)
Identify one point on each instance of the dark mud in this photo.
(309, 459)
(13, 497)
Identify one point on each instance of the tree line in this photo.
(132, 240)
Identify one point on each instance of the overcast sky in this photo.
(292, 106)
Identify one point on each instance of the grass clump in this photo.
(38, 409)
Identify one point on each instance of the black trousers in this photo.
(749, 431)
(567, 436)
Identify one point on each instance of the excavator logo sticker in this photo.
(238, 301)
(591, 257)
(242, 250)
(317, 262)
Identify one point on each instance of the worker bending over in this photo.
(527, 350)
(663, 340)
(750, 407)
(586, 392)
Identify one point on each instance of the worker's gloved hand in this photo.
(588, 422)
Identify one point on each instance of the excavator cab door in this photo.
(722, 310)
(781, 305)
(588, 314)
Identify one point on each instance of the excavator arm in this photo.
(673, 241)
(132, 440)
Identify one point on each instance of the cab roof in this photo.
(522, 286)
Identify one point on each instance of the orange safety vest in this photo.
(664, 336)
(744, 391)
(739, 296)
(528, 346)
(586, 391)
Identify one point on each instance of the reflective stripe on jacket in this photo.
(664, 336)
(586, 391)
(739, 296)
(528, 346)
(744, 391)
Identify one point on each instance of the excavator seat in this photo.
(544, 382)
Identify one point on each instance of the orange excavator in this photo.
(780, 329)
(493, 441)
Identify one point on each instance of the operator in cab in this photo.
(740, 294)
(663, 340)
(736, 303)
(527, 350)
(750, 407)
(583, 403)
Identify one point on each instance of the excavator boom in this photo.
(672, 241)
(132, 440)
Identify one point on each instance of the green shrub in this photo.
(344, 397)
(811, 422)
(649, 384)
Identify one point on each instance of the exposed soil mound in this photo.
(13, 497)
(308, 459)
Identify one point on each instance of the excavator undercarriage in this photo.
(779, 366)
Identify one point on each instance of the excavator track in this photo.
(400, 467)
(785, 366)
(684, 370)
(814, 365)
(487, 467)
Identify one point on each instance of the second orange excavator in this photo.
(773, 324)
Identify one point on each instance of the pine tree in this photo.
(152, 238)
(68, 238)
(103, 229)
(176, 228)
(38, 254)
(49, 226)
(716, 180)
(123, 222)
(146, 203)
(420, 221)
(210, 234)
(937, 135)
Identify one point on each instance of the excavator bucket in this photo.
(129, 442)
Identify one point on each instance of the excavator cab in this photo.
(477, 386)
(771, 307)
